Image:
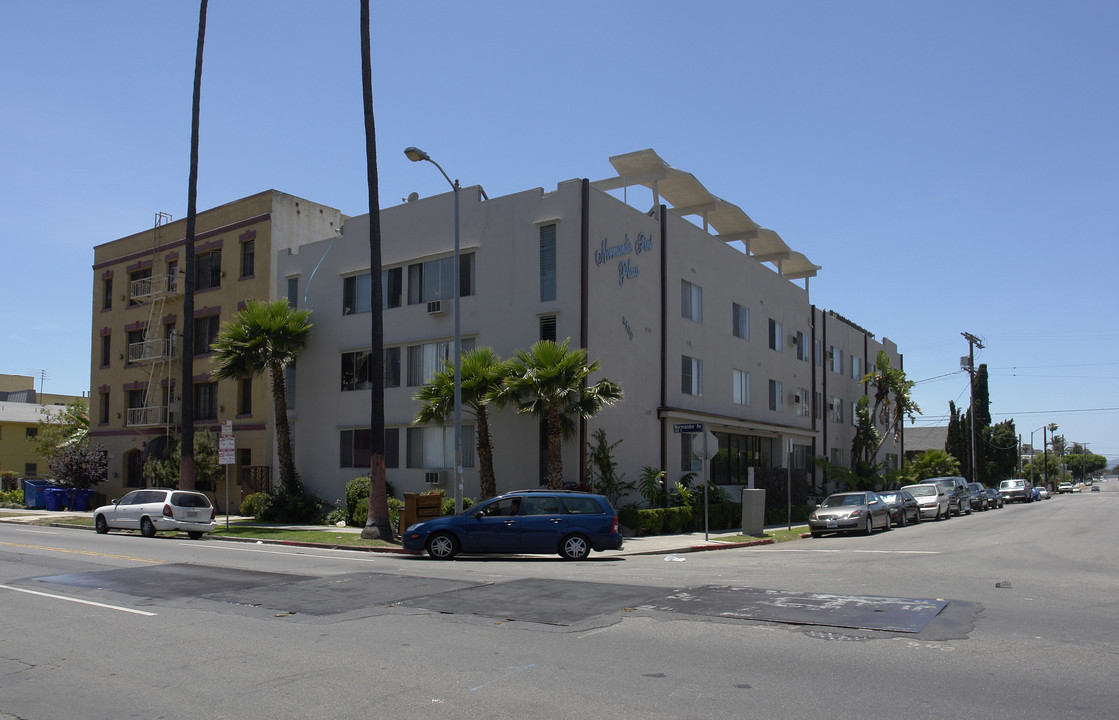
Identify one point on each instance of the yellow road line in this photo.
(81, 552)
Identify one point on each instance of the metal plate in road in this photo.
(551, 602)
(173, 581)
(908, 615)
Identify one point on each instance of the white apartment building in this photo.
(700, 314)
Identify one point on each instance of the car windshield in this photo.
(1011, 483)
(192, 500)
(922, 490)
(890, 497)
(839, 500)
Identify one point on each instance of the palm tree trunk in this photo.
(377, 524)
(291, 486)
(487, 479)
(555, 450)
(186, 387)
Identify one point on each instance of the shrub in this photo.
(254, 505)
(357, 499)
(11, 497)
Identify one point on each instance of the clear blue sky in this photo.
(953, 166)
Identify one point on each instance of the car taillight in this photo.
(213, 512)
(167, 511)
(614, 526)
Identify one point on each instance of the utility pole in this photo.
(972, 343)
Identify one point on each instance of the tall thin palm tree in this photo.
(186, 385)
(266, 337)
(482, 373)
(550, 382)
(893, 397)
(377, 524)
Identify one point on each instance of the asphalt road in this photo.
(1024, 626)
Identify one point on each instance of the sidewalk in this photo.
(645, 545)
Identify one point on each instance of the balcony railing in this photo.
(155, 286)
(153, 350)
(150, 416)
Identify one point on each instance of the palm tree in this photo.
(266, 336)
(550, 382)
(377, 523)
(893, 399)
(482, 375)
(186, 390)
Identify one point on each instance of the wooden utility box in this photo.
(421, 506)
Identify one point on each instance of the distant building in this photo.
(21, 411)
(689, 304)
(137, 323)
(920, 439)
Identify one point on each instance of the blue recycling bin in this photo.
(56, 498)
(33, 498)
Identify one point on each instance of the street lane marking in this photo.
(77, 600)
(81, 552)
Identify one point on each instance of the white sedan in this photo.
(157, 509)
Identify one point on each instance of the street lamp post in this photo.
(416, 155)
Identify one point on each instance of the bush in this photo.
(254, 505)
(11, 497)
(293, 508)
(357, 499)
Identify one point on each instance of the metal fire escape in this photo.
(159, 349)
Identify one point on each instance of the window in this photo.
(207, 270)
(293, 291)
(392, 287)
(356, 294)
(434, 279)
(133, 276)
(103, 416)
(741, 317)
(427, 359)
(691, 301)
(802, 346)
(106, 350)
(775, 335)
(691, 376)
(356, 448)
(741, 385)
(244, 456)
(547, 262)
(245, 399)
(801, 398)
(205, 333)
(548, 327)
(818, 348)
(854, 413)
(392, 367)
(107, 293)
(31, 432)
(434, 446)
(30, 470)
(135, 337)
(836, 410)
(736, 455)
(855, 363)
(837, 457)
(775, 400)
(836, 359)
(206, 401)
(248, 258)
(357, 370)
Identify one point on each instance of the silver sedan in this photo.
(850, 512)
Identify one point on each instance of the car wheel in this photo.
(101, 525)
(917, 518)
(574, 547)
(817, 534)
(147, 528)
(195, 534)
(869, 525)
(902, 521)
(442, 546)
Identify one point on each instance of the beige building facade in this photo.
(137, 325)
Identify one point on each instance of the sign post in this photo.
(227, 451)
(692, 428)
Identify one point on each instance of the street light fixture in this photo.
(416, 155)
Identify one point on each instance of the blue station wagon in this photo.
(522, 522)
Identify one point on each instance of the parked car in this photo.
(903, 507)
(1016, 490)
(978, 496)
(994, 499)
(1042, 492)
(1065, 487)
(932, 500)
(1095, 488)
(959, 498)
(522, 522)
(850, 511)
(156, 509)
